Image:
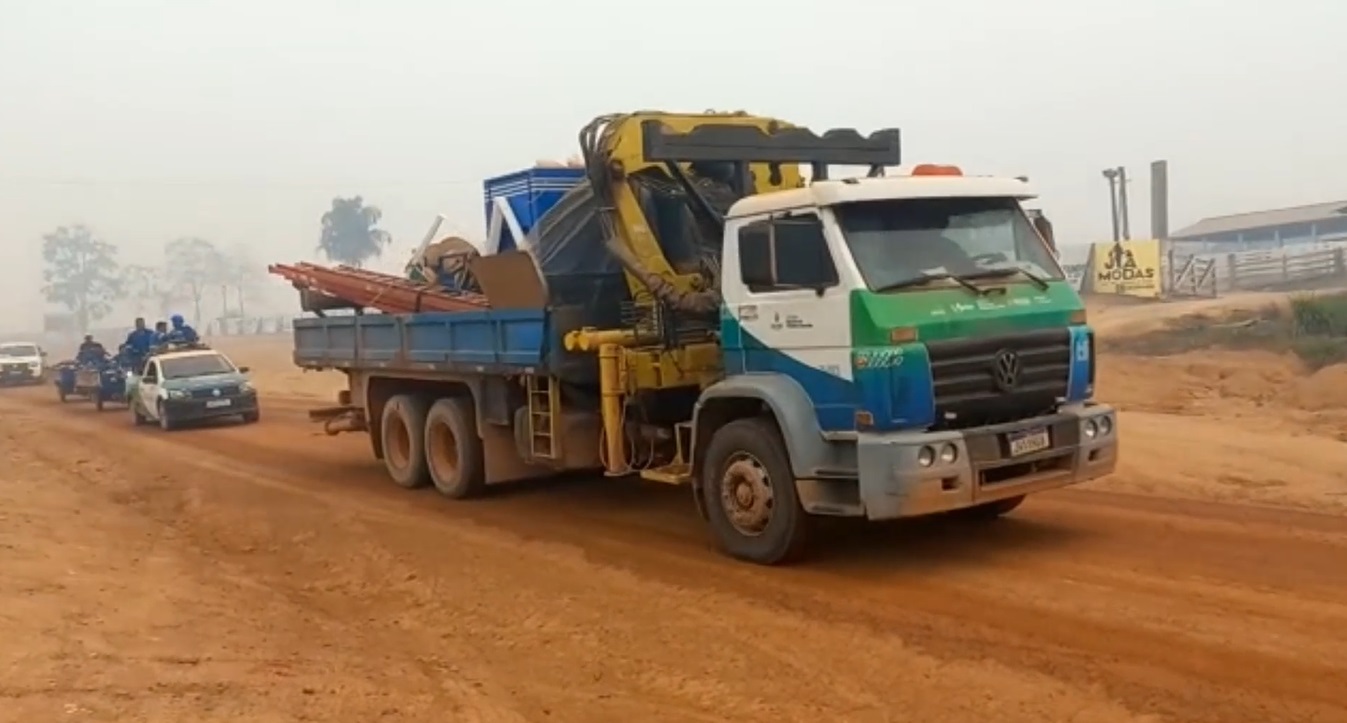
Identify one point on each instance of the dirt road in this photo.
(269, 573)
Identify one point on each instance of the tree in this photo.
(148, 288)
(81, 274)
(193, 265)
(351, 233)
(240, 273)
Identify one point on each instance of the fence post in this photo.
(1286, 268)
(1233, 264)
(1339, 268)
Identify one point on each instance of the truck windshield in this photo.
(13, 350)
(195, 366)
(897, 242)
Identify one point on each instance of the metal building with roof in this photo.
(1296, 226)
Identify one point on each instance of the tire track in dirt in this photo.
(1183, 609)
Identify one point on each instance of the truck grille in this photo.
(990, 380)
(227, 390)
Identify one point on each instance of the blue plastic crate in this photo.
(529, 194)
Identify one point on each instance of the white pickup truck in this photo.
(21, 363)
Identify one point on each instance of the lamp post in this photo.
(1112, 175)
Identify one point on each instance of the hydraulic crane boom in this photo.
(709, 160)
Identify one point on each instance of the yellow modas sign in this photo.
(1130, 268)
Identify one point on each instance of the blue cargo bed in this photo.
(502, 342)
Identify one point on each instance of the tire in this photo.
(743, 452)
(403, 431)
(98, 400)
(990, 510)
(166, 423)
(453, 450)
(60, 394)
(252, 417)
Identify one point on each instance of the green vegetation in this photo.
(1313, 326)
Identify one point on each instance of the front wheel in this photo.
(252, 417)
(98, 400)
(166, 423)
(749, 491)
(990, 510)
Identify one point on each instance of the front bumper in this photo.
(190, 410)
(893, 482)
(21, 375)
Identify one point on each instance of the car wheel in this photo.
(165, 422)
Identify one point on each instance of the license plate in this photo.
(1028, 442)
(217, 403)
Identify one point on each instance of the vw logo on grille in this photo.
(216, 392)
(1006, 370)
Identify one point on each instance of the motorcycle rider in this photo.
(181, 333)
(90, 351)
(138, 343)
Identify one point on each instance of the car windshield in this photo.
(184, 367)
(897, 242)
(13, 350)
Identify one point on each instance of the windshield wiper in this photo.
(928, 277)
(1039, 281)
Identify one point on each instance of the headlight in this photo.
(34, 365)
(245, 387)
(949, 453)
(926, 457)
(177, 394)
(1105, 426)
(1091, 429)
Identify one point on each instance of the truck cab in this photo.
(914, 343)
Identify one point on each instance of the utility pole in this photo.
(1123, 213)
(1112, 175)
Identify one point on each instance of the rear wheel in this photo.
(453, 449)
(749, 489)
(402, 429)
(98, 400)
(252, 417)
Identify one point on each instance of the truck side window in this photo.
(151, 373)
(785, 253)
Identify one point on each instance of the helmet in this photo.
(176, 319)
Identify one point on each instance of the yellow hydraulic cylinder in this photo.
(610, 391)
(589, 339)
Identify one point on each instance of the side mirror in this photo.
(1044, 228)
(244, 370)
(43, 352)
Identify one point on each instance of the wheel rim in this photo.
(746, 494)
(443, 451)
(398, 443)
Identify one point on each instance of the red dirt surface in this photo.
(270, 573)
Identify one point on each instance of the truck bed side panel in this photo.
(507, 341)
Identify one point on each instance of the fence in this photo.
(275, 324)
(1285, 269)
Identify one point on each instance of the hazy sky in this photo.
(239, 120)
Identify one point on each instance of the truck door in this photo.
(791, 315)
